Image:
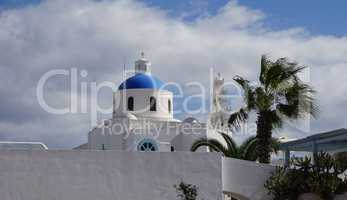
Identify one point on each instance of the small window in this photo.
(131, 103)
(153, 104)
(147, 145)
(169, 105)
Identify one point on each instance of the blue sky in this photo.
(318, 17)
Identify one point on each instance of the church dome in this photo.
(141, 81)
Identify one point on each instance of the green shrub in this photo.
(321, 178)
(186, 191)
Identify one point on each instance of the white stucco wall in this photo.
(184, 142)
(106, 175)
(101, 137)
(246, 178)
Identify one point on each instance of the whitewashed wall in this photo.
(124, 134)
(245, 178)
(106, 175)
(100, 136)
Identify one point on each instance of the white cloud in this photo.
(97, 36)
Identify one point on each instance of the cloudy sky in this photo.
(183, 40)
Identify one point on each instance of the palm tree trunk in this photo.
(264, 128)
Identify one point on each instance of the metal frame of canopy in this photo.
(331, 141)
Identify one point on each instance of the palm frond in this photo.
(264, 65)
(249, 94)
(214, 144)
(247, 149)
(281, 73)
(231, 144)
(276, 120)
(236, 119)
(242, 82)
(299, 101)
(263, 100)
(290, 111)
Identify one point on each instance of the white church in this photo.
(140, 153)
(143, 117)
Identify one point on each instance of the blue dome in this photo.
(141, 81)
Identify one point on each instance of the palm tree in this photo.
(246, 151)
(280, 95)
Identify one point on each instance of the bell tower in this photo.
(142, 65)
(217, 92)
(218, 118)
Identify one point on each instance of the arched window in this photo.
(147, 145)
(153, 104)
(169, 105)
(131, 103)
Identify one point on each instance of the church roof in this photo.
(335, 140)
(22, 146)
(141, 81)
